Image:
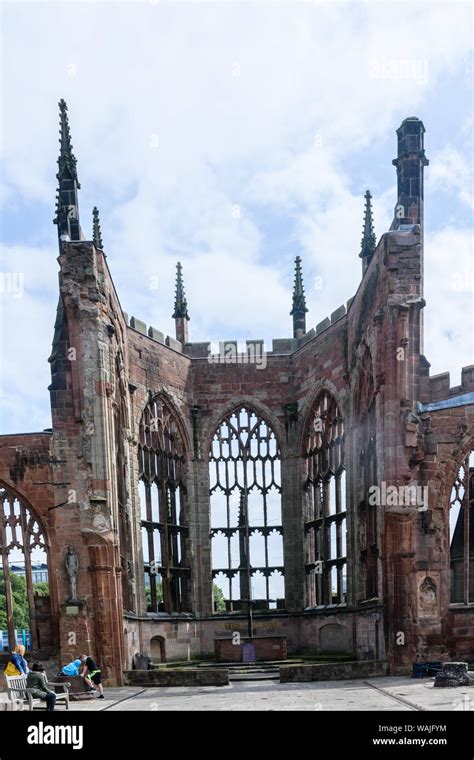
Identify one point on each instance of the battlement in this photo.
(153, 333)
(440, 386)
(253, 347)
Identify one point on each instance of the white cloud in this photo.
(449, 294)
(451, 171)
(234, 96)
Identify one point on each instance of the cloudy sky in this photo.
(231, 137)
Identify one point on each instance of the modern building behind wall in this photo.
(327, 482)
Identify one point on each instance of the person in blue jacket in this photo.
(17, 657)
(72, 669)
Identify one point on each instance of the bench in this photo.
(17, 689)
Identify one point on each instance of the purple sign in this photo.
(248, 653)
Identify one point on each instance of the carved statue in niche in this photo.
(427, 597)
(71, 562)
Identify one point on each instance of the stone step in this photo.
(255, 676)
(236, 665)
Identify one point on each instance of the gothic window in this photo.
(161, 462)
(325, 504)
(23, 550)
(246, 517)
(461, 534)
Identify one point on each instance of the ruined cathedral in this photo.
(316, 496)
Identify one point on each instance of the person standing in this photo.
(91, 674)
(36, 681)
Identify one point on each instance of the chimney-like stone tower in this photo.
(409, 163)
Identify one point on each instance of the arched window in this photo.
(325, 507)
(24, 567)
(161, 461)
(461, 534)
(246, 521)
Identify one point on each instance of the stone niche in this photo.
(428, 595)
(334, 638)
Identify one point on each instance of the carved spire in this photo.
(67, 200)
(180, 313)
(298, 312)
(96, 233)
(67, 162)
(180, 303)
(369, 240)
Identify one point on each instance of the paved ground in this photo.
(376, 694)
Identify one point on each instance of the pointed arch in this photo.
(245, 402)
(162, 458)
(461, 534)
(246, 513)
(24, 553)
(325, 513)
(169, 401)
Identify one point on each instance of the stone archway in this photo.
(25, 575)
(157, 649)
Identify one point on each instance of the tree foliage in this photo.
(21, 609)
(219, 600)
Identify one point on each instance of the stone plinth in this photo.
(266, 648)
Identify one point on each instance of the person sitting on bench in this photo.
(36, 680)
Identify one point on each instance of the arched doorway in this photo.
(157, 649)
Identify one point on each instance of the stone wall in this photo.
(82, 479)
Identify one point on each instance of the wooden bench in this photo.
(17, 689)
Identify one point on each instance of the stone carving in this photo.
(427, 596)
(71, 562)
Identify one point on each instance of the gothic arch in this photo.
(307, 409)
(325, 510)
(459, 526)
(22, 532)
(246, 510)
(449, 469)
(163, 395)
(248, 402)
(21, 496)
(162, 473)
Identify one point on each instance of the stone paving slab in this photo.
(376, 694)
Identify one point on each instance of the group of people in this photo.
(38, 683)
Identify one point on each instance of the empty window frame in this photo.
(325, 504)
(461, 534)
(161, 462)
(246, 515)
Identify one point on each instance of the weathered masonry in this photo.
(175, 486)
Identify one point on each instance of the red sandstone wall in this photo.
(117, 365)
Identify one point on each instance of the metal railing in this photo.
(22, 636)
